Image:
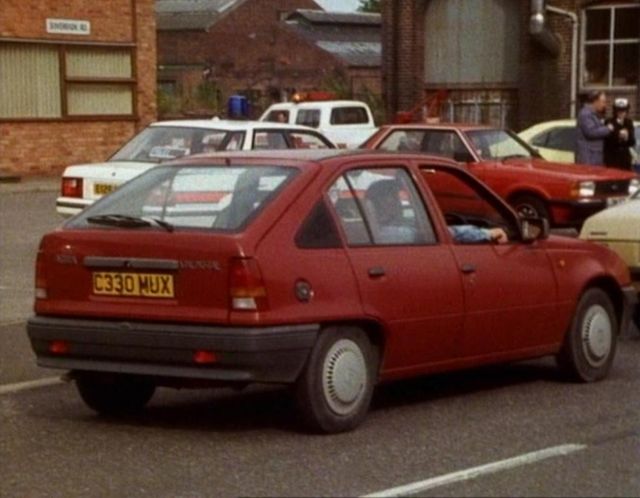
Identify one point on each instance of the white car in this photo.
(83, 184)
(347, 123)
(556, 140)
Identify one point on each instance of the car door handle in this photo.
(377, 272)
(468, 269)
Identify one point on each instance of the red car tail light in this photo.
(204, 357)
(58, 347)
(72, 187)
(246, 287)
(41, 280)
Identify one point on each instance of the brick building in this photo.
(500, 61)
(264, 49)
(77, 79)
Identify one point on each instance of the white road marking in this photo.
(474, 472)
(31, 384)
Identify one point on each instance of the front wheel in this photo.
(530, 206)
(114, 394)
(590, 344)
(335, 389)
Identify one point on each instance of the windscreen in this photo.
(209, 197)
(162, 143)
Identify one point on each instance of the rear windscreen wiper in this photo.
(126, 221)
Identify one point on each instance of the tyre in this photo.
(530, 206)
(590, 344)
(334, 391)
(114, 394)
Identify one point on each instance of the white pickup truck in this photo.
(347, 123)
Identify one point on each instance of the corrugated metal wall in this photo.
(472, 42)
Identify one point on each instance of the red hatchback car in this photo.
(565, 194)
(330, 271)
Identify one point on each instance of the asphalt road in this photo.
(529, 432)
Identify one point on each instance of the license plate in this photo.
(614, 201)
(133, 284)
(103, 188)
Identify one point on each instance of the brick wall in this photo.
(47, 147)
(544, 91)
(249, 48)
(403, 54)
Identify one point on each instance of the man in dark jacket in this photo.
(592, 131)
(617, 146)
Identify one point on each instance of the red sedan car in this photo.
(565, 194)
(330, 271)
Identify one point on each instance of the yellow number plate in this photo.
(133, 284)
(103, 188)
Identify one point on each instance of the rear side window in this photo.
(381, 207)
(308, 117)
(318, 231)
(349, 115)
(212, 197)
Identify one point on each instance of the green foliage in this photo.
(202, 99)
(370, 6)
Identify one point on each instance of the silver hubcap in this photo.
(344, 376)
(597, 335)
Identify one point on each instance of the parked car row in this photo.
(329, 271)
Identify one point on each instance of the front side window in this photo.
(466, 207)
(269, 140)
(499, 145)
(57, 81)
(611, 46)
(213, 197)
(278, 116)
(435, 142)
(380, 207)
(349, 116)
(563, 139)
(306, 140)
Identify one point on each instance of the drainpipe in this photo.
(539, 29)
(573, 17)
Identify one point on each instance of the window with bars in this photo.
(611, 46)
(47, 81)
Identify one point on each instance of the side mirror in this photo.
(534, 229)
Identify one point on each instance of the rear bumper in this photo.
(70, 206)
(248, 354)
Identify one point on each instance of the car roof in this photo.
(230, 125)
(302, 157)
(316, 103)
(440, 126)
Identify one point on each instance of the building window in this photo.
(48, 81)
(611, 46)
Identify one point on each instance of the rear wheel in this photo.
(334, 391)
(114, 394)
(530, 206)
(590, 344)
